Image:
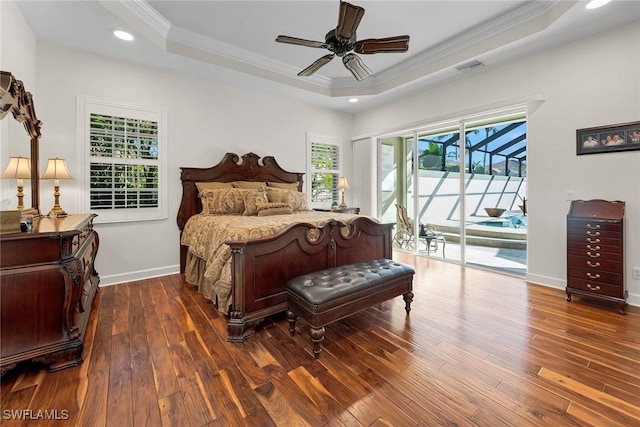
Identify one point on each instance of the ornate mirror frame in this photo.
(14, 98)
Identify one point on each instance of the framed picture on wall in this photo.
(606, 139)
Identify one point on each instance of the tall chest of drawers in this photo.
(595, 251)
(47, 286)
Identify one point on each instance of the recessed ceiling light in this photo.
(123, 35)
(352, 100)
(593, 4)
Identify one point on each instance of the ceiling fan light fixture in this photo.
(354, 64)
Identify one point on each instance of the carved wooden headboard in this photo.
(230, 168)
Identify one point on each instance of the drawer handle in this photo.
(593, 264)
(589, 233)
(597, 248)
(593, 276)
(590, 240)
(593, 288)
(593, 256)
(597, 226)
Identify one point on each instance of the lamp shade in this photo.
(343, 183)
(18, 168)
(56, 169)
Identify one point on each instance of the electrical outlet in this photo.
(635, 273)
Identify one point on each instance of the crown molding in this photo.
(468, 39)
(141, 16)
(181, 37)
(511, 26)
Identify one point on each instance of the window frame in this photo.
(311, 139)
(87, 106)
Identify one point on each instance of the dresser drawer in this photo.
(610, 277)
(595, 255)
(594, 247)
(598, 240)
(580, 226)
(595, 287)
(595, 264)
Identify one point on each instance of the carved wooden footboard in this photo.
(261, 268)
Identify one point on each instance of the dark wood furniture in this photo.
(347, 210)
(595, 251)
(326, 296)
(47, 285)
(261, 268)
(14, 98)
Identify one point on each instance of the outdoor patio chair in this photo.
(404, 229)
(427, 233)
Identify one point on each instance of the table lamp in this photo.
(56, 170)
(342, 185)
(18, 168)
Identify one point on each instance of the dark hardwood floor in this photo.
(478, 349)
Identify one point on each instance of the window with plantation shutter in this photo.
(324, 169)
(125, 162)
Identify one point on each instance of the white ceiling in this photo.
(234, 41)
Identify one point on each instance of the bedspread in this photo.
(209, 258)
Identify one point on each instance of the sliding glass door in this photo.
(458, 191)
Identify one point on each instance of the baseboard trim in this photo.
(552, 282)
(132, 276)
(547, 281)
(116, 279)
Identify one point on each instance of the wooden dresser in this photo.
(595, 250)
(47, 285)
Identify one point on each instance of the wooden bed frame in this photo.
(262, 268)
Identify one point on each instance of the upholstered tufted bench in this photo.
(329, 295)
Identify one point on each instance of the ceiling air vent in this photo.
(469, 66)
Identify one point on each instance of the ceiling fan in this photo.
(342, 40)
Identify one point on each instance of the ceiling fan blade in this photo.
(319, 63)
(348, 21)
(354, 64)
(301, 42)
(389, 44)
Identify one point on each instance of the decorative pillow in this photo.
(251, 197)
(299, 201)
(258, 185)
(280, 197)
(222, 201)
(201, 186)
(268, 205)
(298, 198)
(275, 211)
(284, 185)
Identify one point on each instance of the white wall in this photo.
(588, 83)
(17, 56)
(206, 120)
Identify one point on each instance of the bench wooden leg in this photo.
(317, 336)
(408, 297)
(292, 318)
